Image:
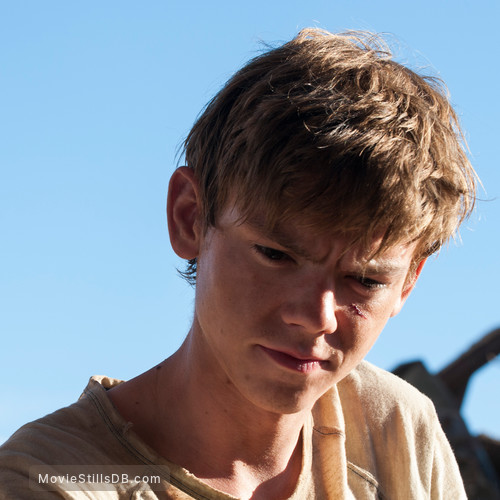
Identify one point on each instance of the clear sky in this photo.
(95, 100)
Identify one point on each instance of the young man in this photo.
(318, 181)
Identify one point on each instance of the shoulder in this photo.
(381, 393)
(68, 426)
(77, 434)
(384, 410)
(393, 436)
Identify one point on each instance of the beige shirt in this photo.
(373, 436)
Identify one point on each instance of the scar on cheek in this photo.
(357, 310)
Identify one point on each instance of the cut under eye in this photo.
(271, 253)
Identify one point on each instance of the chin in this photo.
(287, 400)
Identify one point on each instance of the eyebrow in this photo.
(382, 266)
(278, 235)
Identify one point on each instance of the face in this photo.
(280, 318)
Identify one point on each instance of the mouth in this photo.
(295, 363)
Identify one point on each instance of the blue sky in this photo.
(95, 100)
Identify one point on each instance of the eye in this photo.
(271, 253)
(368, 282)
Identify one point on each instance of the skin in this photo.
(279, 318)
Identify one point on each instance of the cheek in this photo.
(361, 323)
(228, 289)
(243, 280)
(378, 310)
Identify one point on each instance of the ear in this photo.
(183, 213)
(407, 288)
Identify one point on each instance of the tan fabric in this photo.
(372, 437)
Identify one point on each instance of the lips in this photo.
(294, 362)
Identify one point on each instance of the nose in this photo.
(312, 308)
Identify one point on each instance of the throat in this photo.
(245, 454)
(267, 480)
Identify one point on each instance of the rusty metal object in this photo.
(457, 374)
(478, 456)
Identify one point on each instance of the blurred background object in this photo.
(477, 456)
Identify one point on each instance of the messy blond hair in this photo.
(330, 128)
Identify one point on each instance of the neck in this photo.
(219, 436)
(193, 416)
(209, 405)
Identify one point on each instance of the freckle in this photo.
(137, 402)
(357, 310)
